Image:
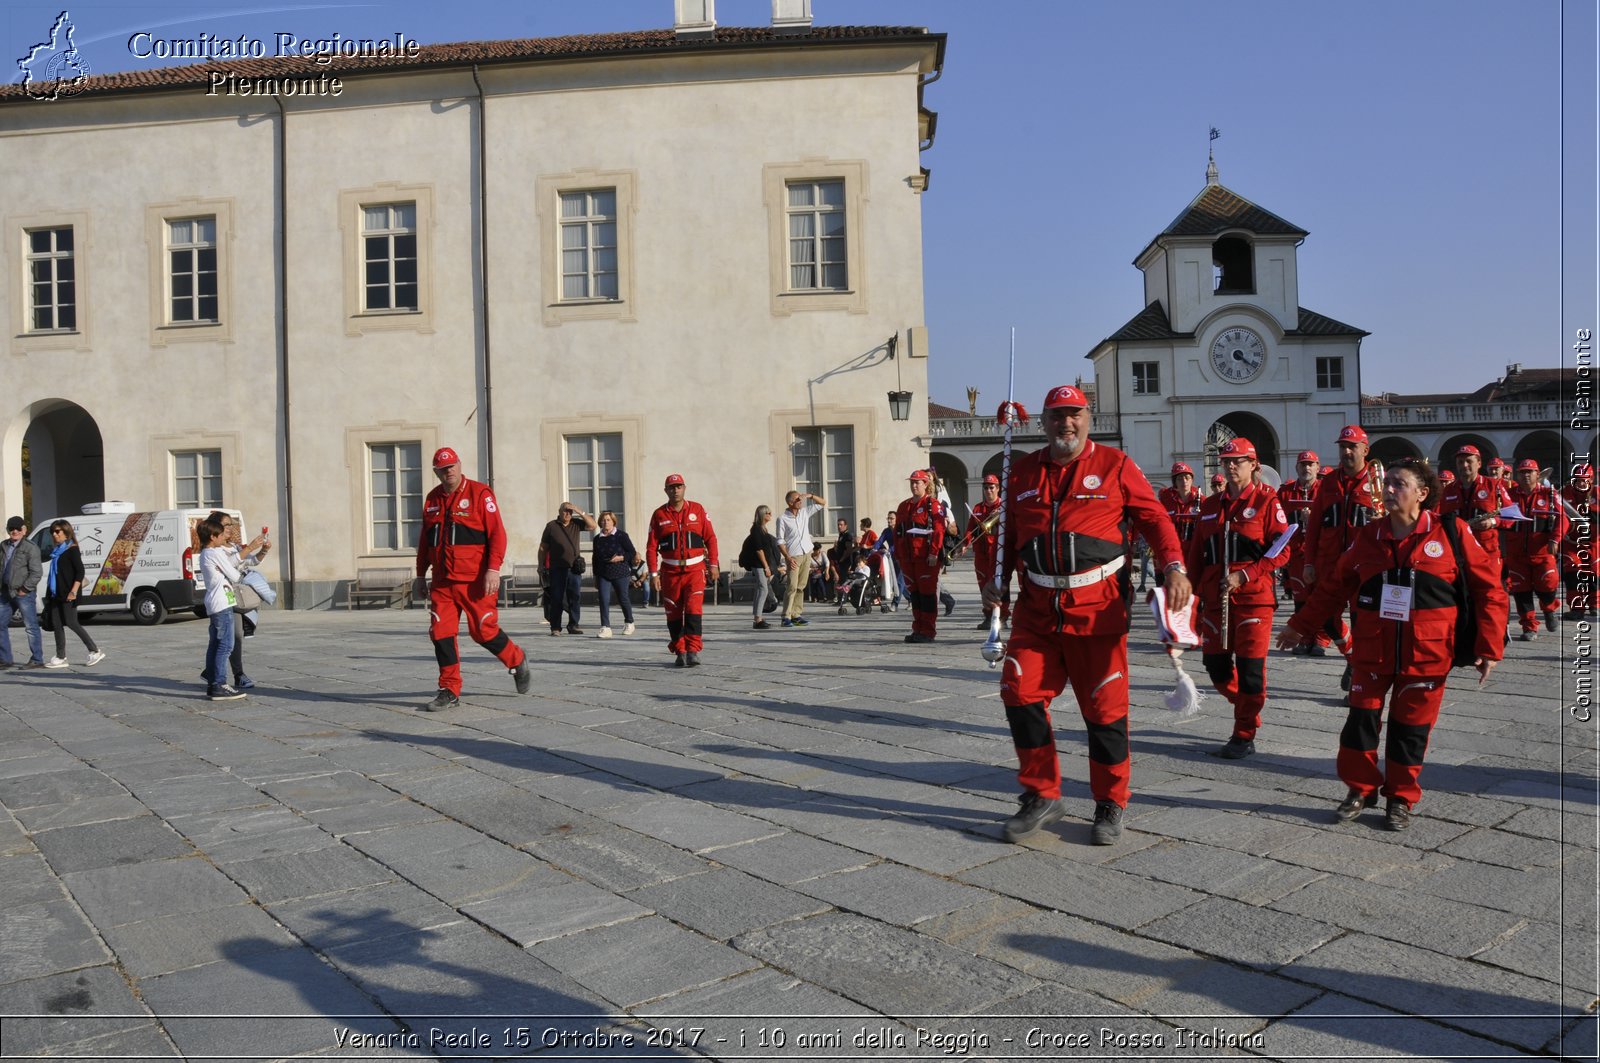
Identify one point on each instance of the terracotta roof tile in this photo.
(465, 53)
(939, 410)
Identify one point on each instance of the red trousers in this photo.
(1037, 667)
(1530, 574)
(446, 603)
(1239, 671)
(683, 595)
(985, 572)
(1413, 710)
(922, 578)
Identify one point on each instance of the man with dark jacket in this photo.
(20, 572)
(561, 558)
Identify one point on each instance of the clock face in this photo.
(1238, 354)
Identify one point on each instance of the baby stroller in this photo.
(871, 579)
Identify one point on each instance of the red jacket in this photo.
(983, 545)
(1254, 521)
(1539, 537)
(1341, 508)
(1067, 520)
(1424, 645)
(1181, 509)
(919, 526)
(680, 535)
(1485, 494)
(462, 533)
(1296, 503)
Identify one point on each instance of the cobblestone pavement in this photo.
(791, 852)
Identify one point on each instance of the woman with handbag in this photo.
(760, 555)
(64, 582)
(1408, 579)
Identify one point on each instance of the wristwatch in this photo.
(1176, 566)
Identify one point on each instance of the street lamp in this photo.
(899, 401)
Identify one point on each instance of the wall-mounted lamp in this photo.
(899, 401)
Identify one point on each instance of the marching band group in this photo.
(1424, 563)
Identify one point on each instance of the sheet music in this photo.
(1281, 542)
(1513, 512)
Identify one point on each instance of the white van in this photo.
(143, 561)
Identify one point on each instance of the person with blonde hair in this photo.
(761, 556)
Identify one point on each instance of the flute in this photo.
(1227, 563)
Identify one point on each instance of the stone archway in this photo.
(1251, 427)
(1548, 448)
(1390, 449)
(1447, 450)
(66, 459)
(952, 473)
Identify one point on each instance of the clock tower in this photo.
(1223, 347)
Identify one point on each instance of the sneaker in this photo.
(522, 675)
(1355, 802)
(949, 606)
(95, 658)
(760, 625)
(1236, 749)
(1550, 620)
(801, 621)
(628, 628)
(605, 633)
(1528, 636)
(5, 665)
(694, 660)
(223, 693)
(31, 665)
(56, 662)
(787, 622)
(917, 636)
(1036, 812)
(680, 661)
(441, 701)
(574, 629)
(1397, 814)
(1344, 680)
(554, 631)
(244, 682)
(1107, 823)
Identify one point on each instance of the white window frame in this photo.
(194, 247)
(1329, 367)
(809, 251)
(54, 257)
(816, 469)
(592, 499)
(399, 223)
(353, 203)
(406, 531)
(207, 468)
(1150, 386)
(548, 192)
(777, 178)
(583, 231)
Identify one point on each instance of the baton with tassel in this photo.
(1009, 414)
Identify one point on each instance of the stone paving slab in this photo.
(807, 826)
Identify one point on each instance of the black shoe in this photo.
(1036, 812)
(1316, 651)
(1107, 823)
(223, 693)
(31, 665)
(1397, 814)
(1550, 620)
(694, 660)
(1355, 802)
(1236, 749)
(949, 606)
(1344, 680)
(522, 675)
(982, 625)
(1572, 614)
(574, 629)
(441, 701)
(680, 662)
(760, 625)
(917, 636)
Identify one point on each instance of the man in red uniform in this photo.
(1580, 562)
(681, 540)
(1067, 506)
(1346, 500)
(1477, 500)
(919, 528)
(1230, 554)
(1295, 498)
(1181, 501)
(983, 547)
(464, 542)
(1530, 549)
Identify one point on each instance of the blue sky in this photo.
(1441, 153)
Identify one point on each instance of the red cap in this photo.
(1352, 433)
(445, 456)
(1496, 463)
(1308, 455)
(1217, 480)
(991, 478)
(1237, 447)
(1446, 476)
(1326, 470)
(1180, 468)
(920, 474)
(1527, 463)
(674, 481)
(1468, 449)
(1583, 472)
(1065, 396)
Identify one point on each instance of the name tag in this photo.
(1396, 603)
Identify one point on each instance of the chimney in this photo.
(1513, 369)
(791, 16)
(694, 18)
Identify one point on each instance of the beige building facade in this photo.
(584, 263)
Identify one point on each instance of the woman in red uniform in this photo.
(1398, 578)
(1235, 531)
(1529, 547)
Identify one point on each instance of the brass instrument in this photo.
(1375, 487)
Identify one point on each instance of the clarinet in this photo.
(1227, 562)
